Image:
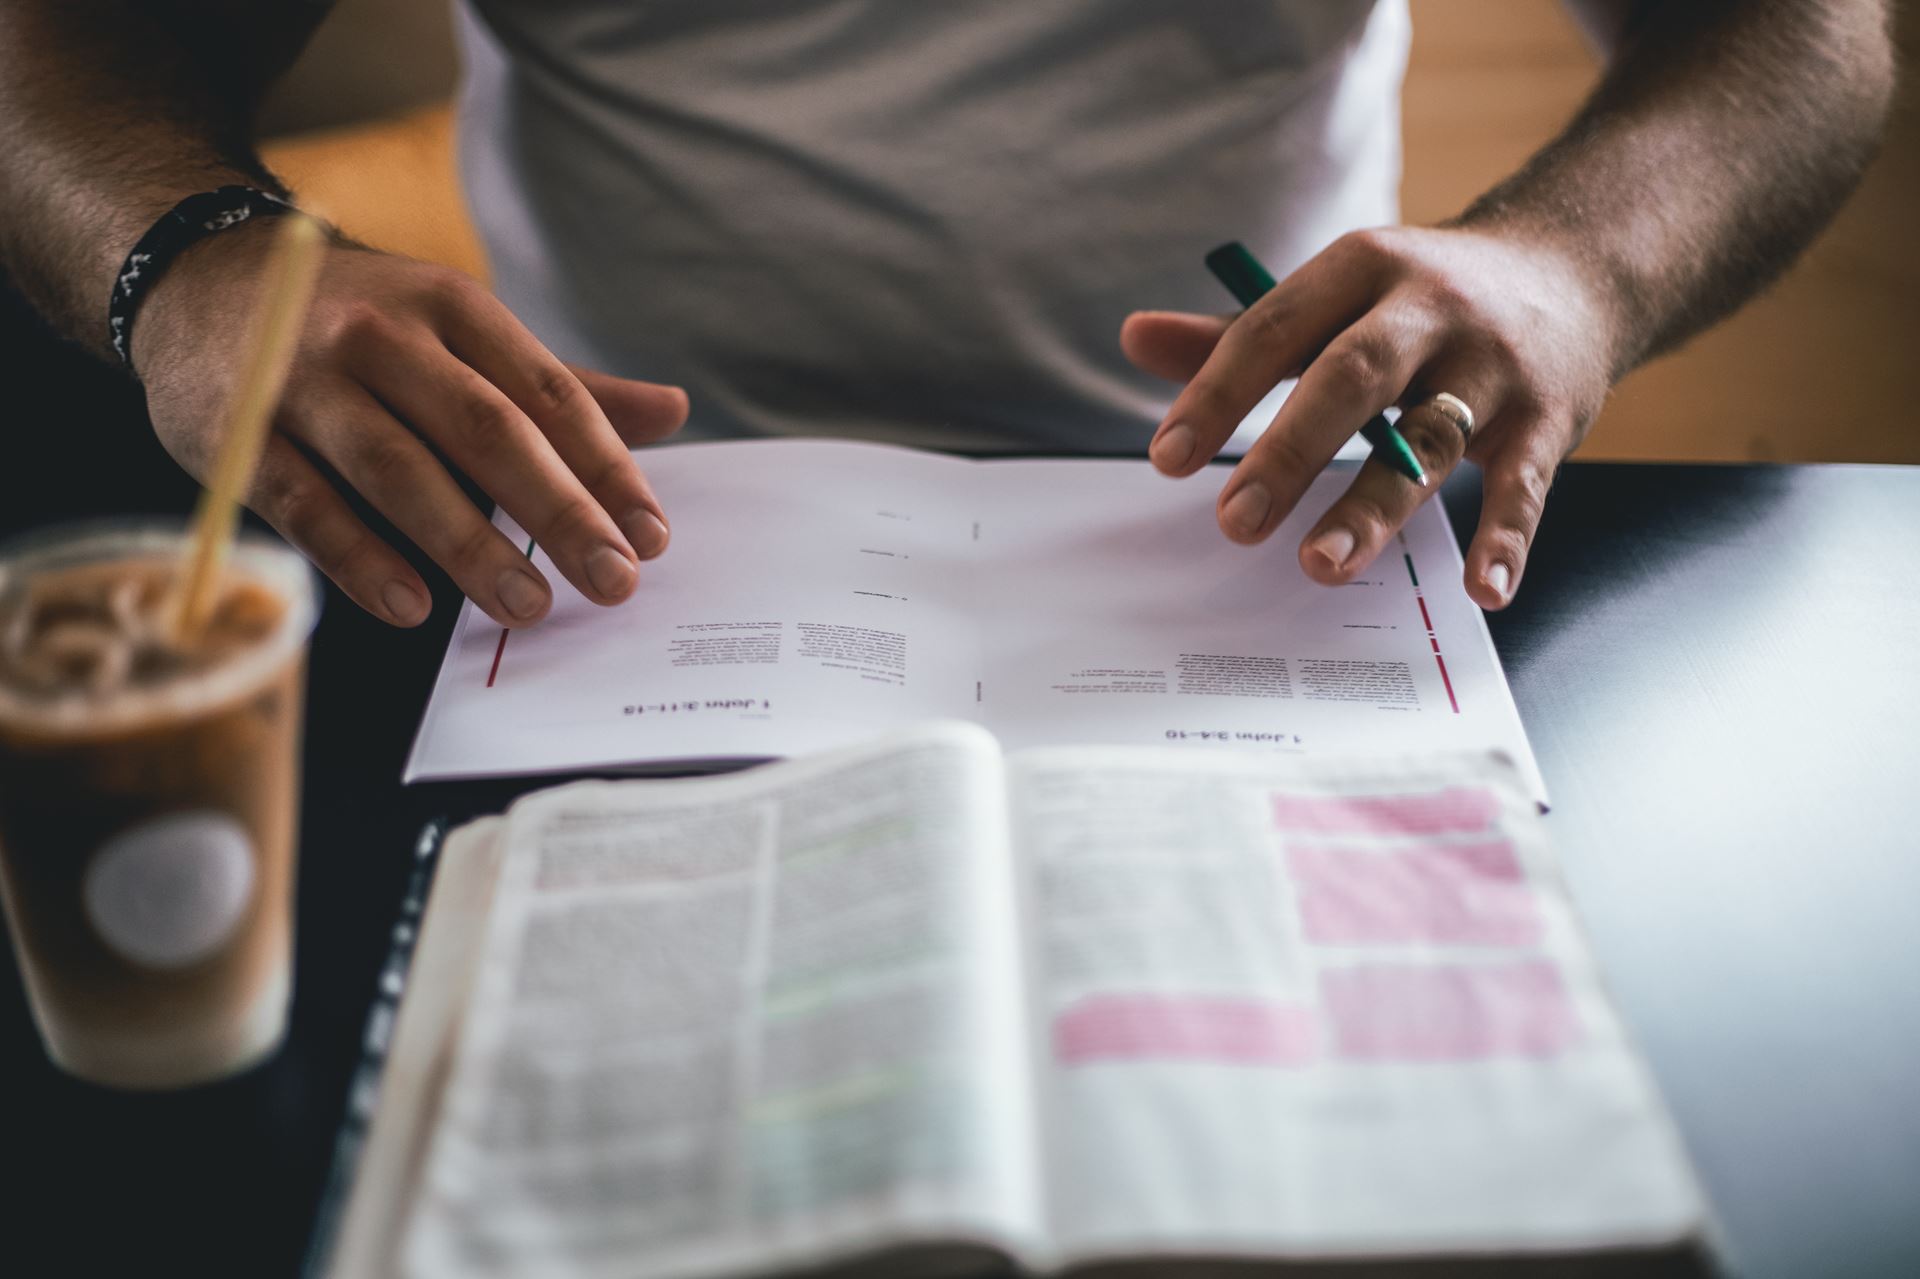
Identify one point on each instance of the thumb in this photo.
(1171, 344)
(641, 412)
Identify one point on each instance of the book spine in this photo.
(363, 1092)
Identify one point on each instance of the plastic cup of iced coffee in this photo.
(149, 792)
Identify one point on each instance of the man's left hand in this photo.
(1386, 317)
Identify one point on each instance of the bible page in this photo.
(1121, 614)
(1323, 1009)
(809, 598)
(742, 1023)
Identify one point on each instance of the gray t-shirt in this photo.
(910, 220)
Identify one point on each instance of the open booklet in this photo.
(820, 591)
(1062, 1006)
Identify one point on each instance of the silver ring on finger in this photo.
(1454, 409)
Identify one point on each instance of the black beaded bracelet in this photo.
(188, 222)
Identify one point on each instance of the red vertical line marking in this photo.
(499, 649)
(1420, 598)
(1444, 680)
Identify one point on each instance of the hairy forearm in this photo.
(1723, 137)
(110, 113)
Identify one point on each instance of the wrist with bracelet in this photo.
(186, 224)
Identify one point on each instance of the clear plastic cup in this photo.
(149, 802)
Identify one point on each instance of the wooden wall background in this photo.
(1818, 369)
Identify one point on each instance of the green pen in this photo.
(1248, 281)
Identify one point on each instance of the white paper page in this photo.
(1121, 614)
(808, 600)
(740, 1023)
(1323, 1008)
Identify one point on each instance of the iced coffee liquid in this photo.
(147, 816)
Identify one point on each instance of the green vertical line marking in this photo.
(1410, 573)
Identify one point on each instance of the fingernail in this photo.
(1246, 511)
(646, 532)
(521, 595)
(1334, 546)
(611, 573)
(1174, 446)
(404, 604)
(1499, 577)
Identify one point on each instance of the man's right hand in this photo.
(405, 369)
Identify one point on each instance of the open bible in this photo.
(923, 999)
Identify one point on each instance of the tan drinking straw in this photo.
(278, 314)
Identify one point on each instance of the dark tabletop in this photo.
(1719, 668)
